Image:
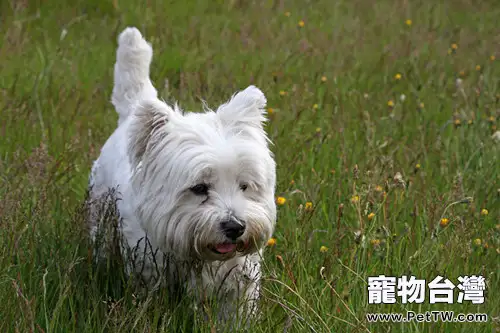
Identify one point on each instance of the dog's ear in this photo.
(246, 107)
(147, 128)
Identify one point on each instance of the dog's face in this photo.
(203, 183)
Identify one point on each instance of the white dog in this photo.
(194, 188)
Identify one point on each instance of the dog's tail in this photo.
(132, 83)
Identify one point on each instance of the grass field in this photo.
(381, 113)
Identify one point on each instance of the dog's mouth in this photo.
(225, 248)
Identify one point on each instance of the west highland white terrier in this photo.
(194, 191)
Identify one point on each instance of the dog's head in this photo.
(203, 183)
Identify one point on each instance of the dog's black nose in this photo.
(233, 228)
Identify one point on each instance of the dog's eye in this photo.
(200, 189)
(243, 187)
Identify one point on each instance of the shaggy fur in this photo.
(195, 188)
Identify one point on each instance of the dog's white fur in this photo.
(158, 154)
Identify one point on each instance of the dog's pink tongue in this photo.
(225, 247)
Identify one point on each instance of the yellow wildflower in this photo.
(454, 46)
(418, 166)
(270, 110)
(390, 103)
(408, 22)
(379, 188)
(484, 212)
(315, 106)
(477, 241)
(287, 14)
(421, 105)
(461, 73)
(355, 198)
(292, 182)
(457, 122)
(444, 222)
(398, 76)
(478, 67)
(375, 242)
(323, 249)
(309, 206)
(283, 93)
(301, 23)
(491, 119)
(324, 79)
(271, 242)
(280, 201)
(492, 57)
(371, 216)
